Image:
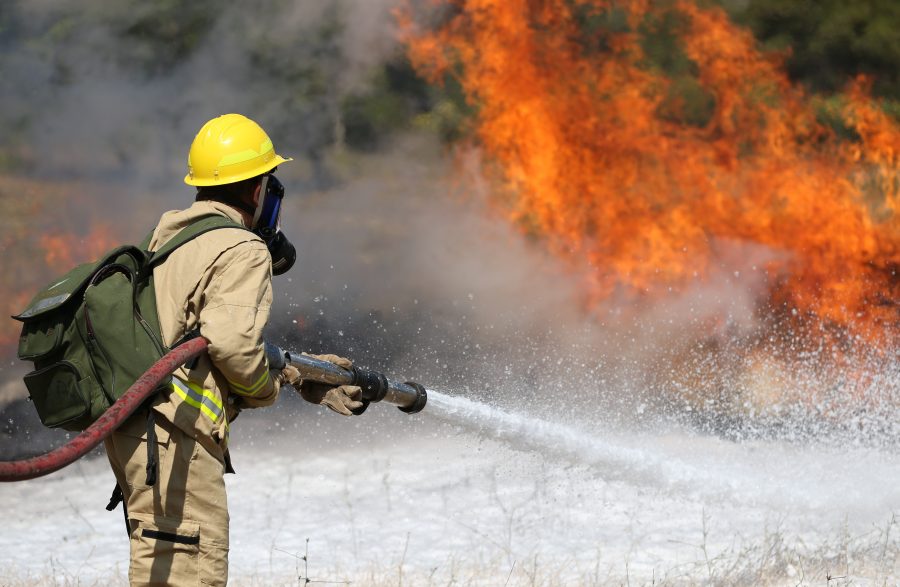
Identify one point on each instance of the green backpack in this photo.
(95, 330)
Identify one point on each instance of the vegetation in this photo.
(825, 43)
(829, 41)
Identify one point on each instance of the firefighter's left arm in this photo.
(235, 311)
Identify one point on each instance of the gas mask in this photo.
(267, 224)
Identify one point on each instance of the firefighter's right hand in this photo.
(341, 399)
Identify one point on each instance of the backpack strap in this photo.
(145, 244)
(189, 233)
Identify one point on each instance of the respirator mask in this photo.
(267, 224)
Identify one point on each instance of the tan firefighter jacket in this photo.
(220, 282)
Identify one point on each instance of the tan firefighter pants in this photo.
(179, 526)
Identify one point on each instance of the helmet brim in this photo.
(266, 168)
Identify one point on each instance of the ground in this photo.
(461, 494)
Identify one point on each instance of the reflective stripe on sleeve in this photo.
(253, 389)
(202, 399)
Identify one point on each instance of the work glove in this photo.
(291, 375)
(341, 399)
(333, 359)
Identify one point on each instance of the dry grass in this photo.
(869, 559)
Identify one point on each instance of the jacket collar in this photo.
(174, 221)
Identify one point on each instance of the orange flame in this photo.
(25, 270)
(599, 161)
(63, 251)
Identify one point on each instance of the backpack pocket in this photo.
(62, 387)
(119, 346)
(63, 396)
(40, 338)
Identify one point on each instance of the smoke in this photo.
(399, 266)
(407, 268)
(117, 90)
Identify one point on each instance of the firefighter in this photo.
(169, 460)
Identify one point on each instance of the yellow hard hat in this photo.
(230, 148)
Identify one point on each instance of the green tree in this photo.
(830, 41)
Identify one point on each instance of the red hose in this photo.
(108, 422)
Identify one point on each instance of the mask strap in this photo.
(263, 187)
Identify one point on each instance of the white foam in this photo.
(768, 473)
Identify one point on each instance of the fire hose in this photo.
(409, 397)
